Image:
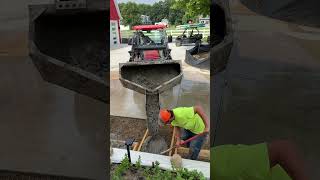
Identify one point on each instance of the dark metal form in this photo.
(67, 43)
(200, 62)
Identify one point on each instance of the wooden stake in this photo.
(135, 146)
(172, 140)
(144, 137)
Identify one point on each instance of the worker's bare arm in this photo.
(177, 132)
(199, 110)
(178, 135)
(284, 153)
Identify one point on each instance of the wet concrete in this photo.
(152, 110)
(66, 38)
(150, 76)
(194, 89)
(154, 144)
(272, 91)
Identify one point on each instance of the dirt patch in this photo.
(123, 128)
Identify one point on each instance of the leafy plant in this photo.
(125, 165)
(155, 172)
(138, 163)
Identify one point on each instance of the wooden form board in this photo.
(203, 155)
(148, 158)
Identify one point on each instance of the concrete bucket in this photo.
(67, 43)
(151, 78)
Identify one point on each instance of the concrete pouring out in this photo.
(150, 77)
(154, 144)
(152, 110)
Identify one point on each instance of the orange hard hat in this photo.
(165, 115)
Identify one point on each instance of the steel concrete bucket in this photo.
(67, 43)
(194, 56)
(152, 77)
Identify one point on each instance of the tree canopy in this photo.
(176, 11)
(193, 8)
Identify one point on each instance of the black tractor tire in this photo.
(198, 42)
(178, 43)
(169, 38)
(130, 41)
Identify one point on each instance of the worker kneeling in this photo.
(189, 122)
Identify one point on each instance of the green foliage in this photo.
(151, 173)
(192, 8)
(138, 163)
(131, 12)
(124, 166)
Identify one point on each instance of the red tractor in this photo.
(149, 42)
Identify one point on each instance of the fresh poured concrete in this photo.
(194, 88)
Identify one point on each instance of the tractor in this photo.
(149, 42)
(192, 38)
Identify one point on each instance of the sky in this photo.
(139, 1)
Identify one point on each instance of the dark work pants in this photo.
(195, 145)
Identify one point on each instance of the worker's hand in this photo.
(179, 142)
(206, 130)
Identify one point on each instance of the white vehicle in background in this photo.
(163, 22)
